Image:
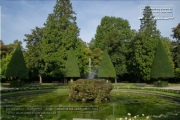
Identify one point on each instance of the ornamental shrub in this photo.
(90, 90)
(161, 83)
(16, 83)
(71, 67)
(17, 66)
(106, 69)
(161, 66)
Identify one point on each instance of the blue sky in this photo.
(18, 17)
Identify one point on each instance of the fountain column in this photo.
(89, 72)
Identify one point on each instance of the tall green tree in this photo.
(161, 66)
(148, 24)
(111, 35)
(7, 49)
(17, 66)
(33, 54)
(176, 50)
(106, 69)
(71, 66)
(60, 34)
(176, 33)
(143, 46)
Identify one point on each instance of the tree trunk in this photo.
(40, 79)
(65, 81)
(115, 80)
(19, 81)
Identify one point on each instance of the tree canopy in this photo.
(176, 32)
(112, 35)
(176, 50)
(148, 24)
(143, 46)
(60, 34)
(33, 54)
(131, 52)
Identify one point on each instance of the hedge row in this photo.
(160, 83)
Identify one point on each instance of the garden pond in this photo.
(123, 104)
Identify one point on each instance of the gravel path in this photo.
(173, 87)
(170, 88)
(4, 88)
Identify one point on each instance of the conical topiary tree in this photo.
(106, 69)
(71, 66)
(161, 66)
(17, 66)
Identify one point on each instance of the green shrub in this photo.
(161, 66)
(17, 65)
(16, 83)
(106, 69)
(160, 83)
(90, 90)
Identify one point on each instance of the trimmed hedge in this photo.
(106, 68)
(160, 83)
(161, 66)
(90, 90)
(17, 65)
(16, 83)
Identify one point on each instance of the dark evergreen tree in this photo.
(148, 24)
(106, 69)
(71, 66)
(143, 46)
(161, 66)
(17, 66)
(60, 34)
